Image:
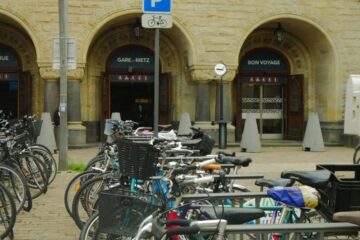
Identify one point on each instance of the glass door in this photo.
(266, 102)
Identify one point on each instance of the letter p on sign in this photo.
(157, 6)
(153, 2)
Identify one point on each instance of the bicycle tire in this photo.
(35, 174)
(16, 184)
(82, 207)
(356, 155)
(48, 159)
(74, 185)
(90, 230)
(7, 212)
(98, 161)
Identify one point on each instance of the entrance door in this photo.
(9, 93)
(24, 94)
(105, 102)
(266, 102)
(295, 108)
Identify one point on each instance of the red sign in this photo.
(264, 79)
(131, 78)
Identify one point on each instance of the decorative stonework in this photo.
(22, 45)
(51, 74)
(122, 37)
(206, 73)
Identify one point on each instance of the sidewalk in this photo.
(48, 220)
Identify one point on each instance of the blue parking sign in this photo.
(157, 6)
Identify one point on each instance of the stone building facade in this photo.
(279, 81)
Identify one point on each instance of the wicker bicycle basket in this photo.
(137, 160)
(122, 211)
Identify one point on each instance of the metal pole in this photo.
(222, 122)
(156, 82)
(63, 146)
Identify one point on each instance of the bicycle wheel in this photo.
(7, 212)
(99, 161)
(74, 186)
(84, 202)
(16, 184)
(356, 155)
(35, 173)
(46, 158)
(91, 230)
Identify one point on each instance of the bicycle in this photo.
(356, 158)
(7, 212)
(157, 21)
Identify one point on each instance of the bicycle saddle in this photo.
(281, 182)
(319, 179)
(237, 161)
(350, 216)
(233, 215)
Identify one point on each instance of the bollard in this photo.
(250, 139)
(313, 139)
(47, 137)
(184, 125)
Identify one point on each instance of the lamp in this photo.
(138, 31)
(279, 33)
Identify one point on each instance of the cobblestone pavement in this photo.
(48, 220)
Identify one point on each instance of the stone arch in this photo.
(20, 43)
(308, 47)
(116, 30)
(296, 53)
(178, 31)
(25, 37)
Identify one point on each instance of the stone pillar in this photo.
(203, 76)
(51, 103)
(73, 99)
(76, 131)
(202, 111)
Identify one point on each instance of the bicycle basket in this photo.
(137, 160)
(122, 211)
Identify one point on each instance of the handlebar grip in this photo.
(206, 162)
(184, 170)
(183, 230)
(181, 222)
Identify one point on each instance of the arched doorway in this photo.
(15, 85)
(266, 89)
(128, 86)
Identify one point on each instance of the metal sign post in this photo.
(63, 164)
(156, 82)
(220, 70)
(156, 15)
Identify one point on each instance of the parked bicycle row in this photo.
(141, 185)
(26, 169)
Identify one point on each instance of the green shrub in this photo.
(77, 167)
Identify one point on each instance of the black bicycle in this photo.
(356, 156)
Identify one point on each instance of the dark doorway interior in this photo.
(8, 97)
(134, 101)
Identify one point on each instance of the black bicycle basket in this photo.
(121, 211)
(137, 160)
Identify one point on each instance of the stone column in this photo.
(76, 131)
(51, 102)
(202, 111)
(203, 76)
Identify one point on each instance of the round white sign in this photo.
(220, 69)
